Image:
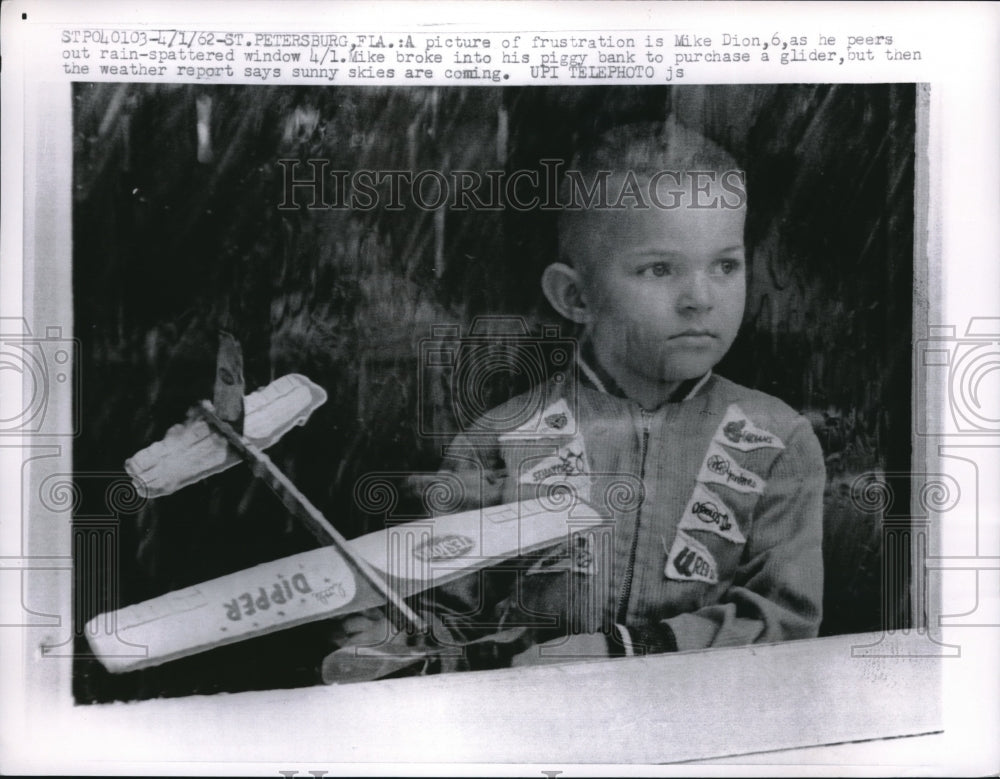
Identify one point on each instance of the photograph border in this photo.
(890, 684)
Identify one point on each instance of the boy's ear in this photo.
(563, 287)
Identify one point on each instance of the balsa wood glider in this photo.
(376, 570)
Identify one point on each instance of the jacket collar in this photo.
(594, 376)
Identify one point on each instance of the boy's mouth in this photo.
(694, 334)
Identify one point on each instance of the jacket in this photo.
(716, 501)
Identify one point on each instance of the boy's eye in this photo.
(655, 269)
(728, 265)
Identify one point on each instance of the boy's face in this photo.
(664, 289)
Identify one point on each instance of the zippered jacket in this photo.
(716, 500)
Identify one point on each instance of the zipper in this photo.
(626, 590)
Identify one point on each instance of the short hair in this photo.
(647, 147)
(641, 149)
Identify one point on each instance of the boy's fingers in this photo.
(367, 627)
(350, 664)
(582, 646)
(419, 483)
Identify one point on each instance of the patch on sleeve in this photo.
(566, 469)
(707, 511)
(570, 461)
(738, 432)
(576, 557)
(690, 561)
(555, 420)
(719, 467)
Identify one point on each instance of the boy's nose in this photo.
(697, 293)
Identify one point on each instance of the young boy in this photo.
(718, 540)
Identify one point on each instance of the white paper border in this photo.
(43, 732)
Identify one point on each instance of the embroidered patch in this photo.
(555, 420)
(720, 468)
(576, 557)
(567, 469)
(707, 511)
(689, 560)
(738, 432)
(569, 462)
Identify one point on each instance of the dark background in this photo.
(176, 238)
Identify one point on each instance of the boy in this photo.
(719, 543)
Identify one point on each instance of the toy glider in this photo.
(376, 570)
(320, 584)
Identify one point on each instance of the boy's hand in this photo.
(371, 648)
(363, 664)
(367, 628)
(452, 491)
(568, 649)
